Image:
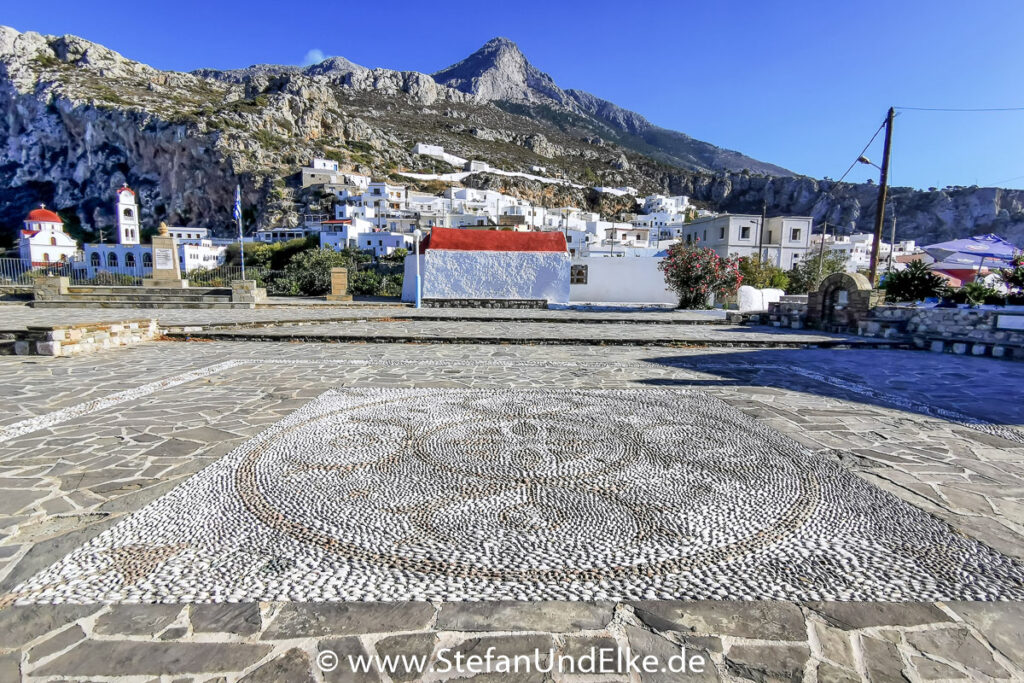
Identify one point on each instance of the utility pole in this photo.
(821, 249)
(892, 242)
(760, 236)
(883, 189)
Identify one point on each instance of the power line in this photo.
(862, 152)
(961, 110)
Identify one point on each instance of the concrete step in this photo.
(120, 291)
(385, 337)
(184, 298)
(120, 303)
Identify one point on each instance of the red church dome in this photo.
(43, 215)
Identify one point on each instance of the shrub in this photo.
(391, 286)
(761, 274)
(1013, 276)
(696, 273)
(366, 282)
(913, 283)
(977, 292)
(310, 271)
(807, 275)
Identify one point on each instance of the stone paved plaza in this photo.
(199, 508)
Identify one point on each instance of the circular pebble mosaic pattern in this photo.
(452, 494)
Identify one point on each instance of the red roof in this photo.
(41, 215)
(125, 188)
(456, 239)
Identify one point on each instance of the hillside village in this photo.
(380, 218)
(336, 373)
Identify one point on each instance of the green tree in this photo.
(913, 283)
(308, 273)
(807, 275)
(761, 274)
(696, 273)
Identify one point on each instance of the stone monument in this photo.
(339, 285)
(166, 267)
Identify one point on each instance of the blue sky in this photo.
(800, 84)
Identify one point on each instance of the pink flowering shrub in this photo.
(1014, 275)
(695, 273)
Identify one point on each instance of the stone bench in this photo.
(81, 338)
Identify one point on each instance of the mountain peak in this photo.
(500, 71)
(499, 42)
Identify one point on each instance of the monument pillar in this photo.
(166, 266)
(339, 285)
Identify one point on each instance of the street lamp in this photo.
(883, 188)
(419, 286)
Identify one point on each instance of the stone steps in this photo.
(113, 290)
(143, 297)
(119, 303)
(385, 337)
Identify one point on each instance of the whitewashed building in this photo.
(491, 264)
(856, 249)
(43, 242)
(782, 241)
(129, 256)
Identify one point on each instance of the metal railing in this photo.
(14, 271)
(221, 276)
(108, 276)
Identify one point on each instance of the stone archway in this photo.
(841, 301)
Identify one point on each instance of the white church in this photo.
(43, 241)
(129, 256)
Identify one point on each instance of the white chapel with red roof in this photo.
(43, 241)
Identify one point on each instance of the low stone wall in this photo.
(967, 330)
(485, 303)
(978, 332)
(74, 340)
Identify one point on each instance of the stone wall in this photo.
(74, 340)
(979, 332)
(966, 330)
(485, 303)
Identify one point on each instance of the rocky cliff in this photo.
(78, 120)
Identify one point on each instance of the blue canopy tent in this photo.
(971, 253)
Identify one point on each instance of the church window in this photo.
(129, 260)
(112, 260)
(94, 260)
(147, 260)
(46, 257)
(53, 241)
(127, 213)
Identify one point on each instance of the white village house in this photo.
(490, 264)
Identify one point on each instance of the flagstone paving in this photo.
(19, 316)
(87, 442)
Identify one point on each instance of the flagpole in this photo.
(241, 235)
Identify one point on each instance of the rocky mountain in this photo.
(499, 72)
(79, 119)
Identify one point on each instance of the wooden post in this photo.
(883, 189)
